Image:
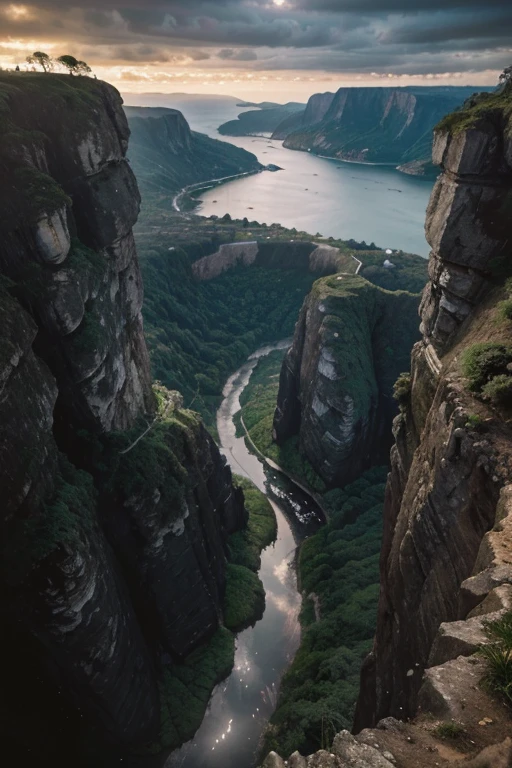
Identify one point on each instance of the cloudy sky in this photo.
(279, 49)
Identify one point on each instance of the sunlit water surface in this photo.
(241, 706)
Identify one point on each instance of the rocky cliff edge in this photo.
(336, 385)
(112, 547)
(447, 538)
(446, 561)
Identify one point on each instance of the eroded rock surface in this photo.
(447, 537)
(336, 383)
(113, 549)
(467, 222)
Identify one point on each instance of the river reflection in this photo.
(241, 706)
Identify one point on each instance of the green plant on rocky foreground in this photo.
(487, 368)
(499, 391)
(498, 655)
(449, 730)
(473, 422)
(402, 389)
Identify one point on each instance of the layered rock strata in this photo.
(336, 383)
(447, 541)
(468, 221)
(110, 570)
(391, 125)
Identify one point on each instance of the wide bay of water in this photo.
(335, 198)
(331, 197)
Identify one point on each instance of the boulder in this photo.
(353, 754)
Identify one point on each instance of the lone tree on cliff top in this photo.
(74, 66)
(41, 58)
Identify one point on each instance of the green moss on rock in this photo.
(245, 546)
(481, 106)
(244, 601)
(64, 518)
(41, 194)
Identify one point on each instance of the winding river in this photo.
(241, 705)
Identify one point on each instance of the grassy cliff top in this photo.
(33, 91)
(345, 285)
(41, 113)
(481, 106)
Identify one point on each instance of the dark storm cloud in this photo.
(495, 23)
(395, 6)
(392, 36)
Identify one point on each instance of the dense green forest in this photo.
(200, 332)
(338, 570)
(339, 578)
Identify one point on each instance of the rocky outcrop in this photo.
(395, 744)
(319, 259)
(446, 549)
(228, 256)
(167, 155)
(336, 383)
(468, 221)
(115, 511)
(386, 125)
(263, 121)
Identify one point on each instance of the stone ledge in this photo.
(459, 638)
(475, 589)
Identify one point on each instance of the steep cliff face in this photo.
(263, 121)
(108, 569)
(167, 156)
(468, 219)
(387, 125)
(308, 257)
(336, 383)
(167, 129)
(452, 457)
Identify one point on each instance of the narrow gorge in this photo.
(445, 568)
(130, 552)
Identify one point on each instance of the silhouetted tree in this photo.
(69, 62)
(74, 66)
(83, 68)
(41, 58)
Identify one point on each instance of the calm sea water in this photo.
(338, 199)
(330, 197)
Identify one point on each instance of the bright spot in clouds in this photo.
(19, 12)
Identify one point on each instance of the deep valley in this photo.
(221, 548)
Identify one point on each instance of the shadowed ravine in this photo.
(241, 706)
